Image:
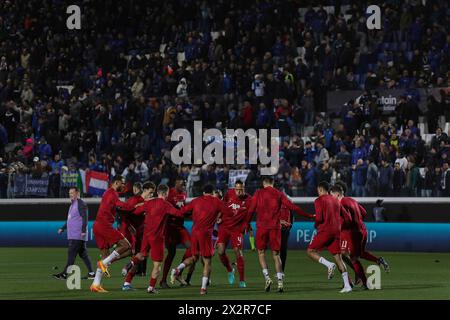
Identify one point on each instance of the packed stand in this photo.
(107, 97)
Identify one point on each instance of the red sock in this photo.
(226, 262)
(187, 254)
(130, 276)
(240, 266)
(152, 282)
(366, 255)
(359, 270)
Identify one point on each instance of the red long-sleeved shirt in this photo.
(157, 211)
(106, 214)
(330, 214)
(237, 218)
(131, 217)
(178, 200)
(267, 204)
(357, 212)
(205, 211)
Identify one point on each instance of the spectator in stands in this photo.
(322, 155)
(412, 179)
(398, 181)
(428, 182)
(310, 180)
(372, 178)
(44, 149)
(386, 176)
(445, 180)
(360, 178)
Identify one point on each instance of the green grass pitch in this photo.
(25, 274)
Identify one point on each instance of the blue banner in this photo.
(26, 185)
(414, 237)
(36, 187)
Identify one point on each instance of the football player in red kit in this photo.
(351, 237)
(231, 228)
(132, 225)
(105, 234)
(267, 202)
(156, 213)
(176, 234)
(356, 243)
(330, 215)
(206, 210)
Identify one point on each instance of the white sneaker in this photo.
(174, 275)
(268, 284)
(346, 290)
(331, 271)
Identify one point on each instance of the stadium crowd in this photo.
(107, 97)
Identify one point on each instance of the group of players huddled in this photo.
(152, 220)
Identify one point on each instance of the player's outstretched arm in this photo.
(170, 209)
(187, 208)
(140, 208)
(291, 206)
(124, 206)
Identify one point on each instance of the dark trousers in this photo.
(284, 244)
(78, 247)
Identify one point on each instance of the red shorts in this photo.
(106, 237)
(271, 237)
(236, 238)
(325, 240)
(347, 245)
(353, 242)
(177, 235)
(155, 246)
(125, 230)
(202, 244)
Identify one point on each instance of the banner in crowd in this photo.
(27, 186)
(36, 187)
(96, 182)
(20, 184)
(235, 175)
(387, 98)
(69, 179)
(382, 236)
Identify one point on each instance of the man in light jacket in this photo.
(76, 226)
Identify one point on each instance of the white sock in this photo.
(127, 284)
(181, 266)
(204, 282)
(345, 278)
(107, 261)
(98, 277)
(325, 262)
(265, 273)
(280, 276)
